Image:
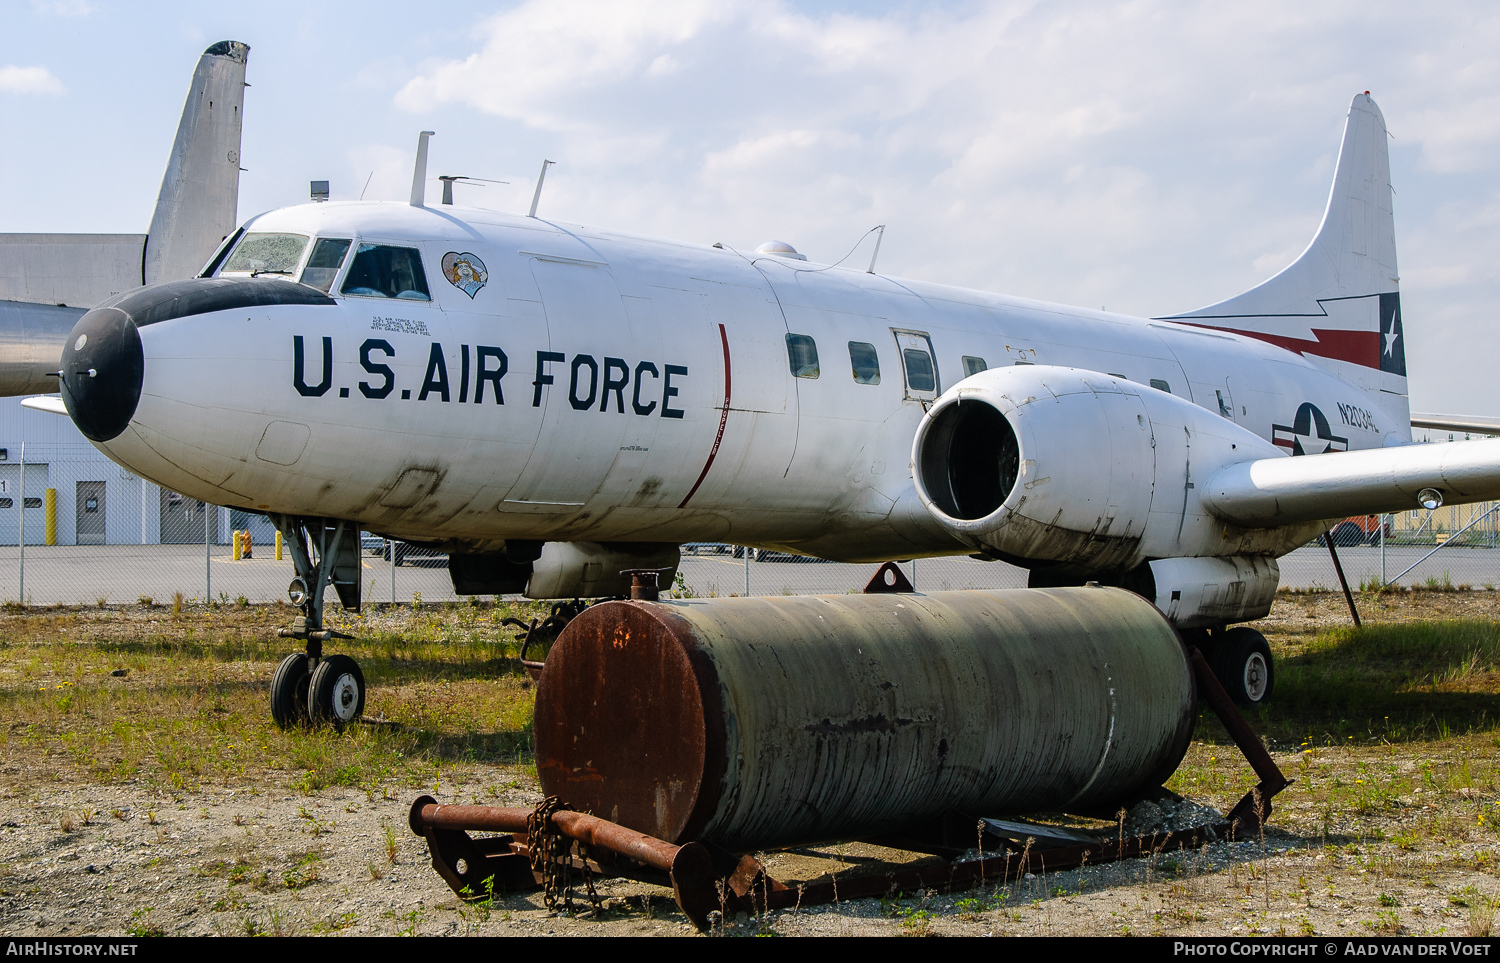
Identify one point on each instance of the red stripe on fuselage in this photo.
(723, 418)
(1356, 347)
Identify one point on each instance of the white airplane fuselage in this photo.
(610, 388)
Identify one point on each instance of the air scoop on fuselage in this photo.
(103, 365)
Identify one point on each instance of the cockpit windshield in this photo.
(266, 254)
(386, 271)
(327, 257)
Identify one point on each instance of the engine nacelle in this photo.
(1042, 463)
(1195, 593)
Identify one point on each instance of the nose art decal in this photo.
(465, 271)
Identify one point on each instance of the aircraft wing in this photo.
(1287, 490)
(35, 337)
(1474, 424)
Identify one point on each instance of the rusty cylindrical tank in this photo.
(762, 722)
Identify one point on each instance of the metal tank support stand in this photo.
(547, 847)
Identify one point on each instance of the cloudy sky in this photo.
(1148, 157)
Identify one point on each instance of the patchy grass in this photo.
(180, 700)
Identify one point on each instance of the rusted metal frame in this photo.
(1339, 568)
(888, 579)
(559, 618)
(704, 881)
(1255, 807)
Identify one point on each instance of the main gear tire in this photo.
(289, 687)
(1243, 665)
(336, 694)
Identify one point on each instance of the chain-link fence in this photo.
(95, 533)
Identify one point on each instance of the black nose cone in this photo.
(102, 370)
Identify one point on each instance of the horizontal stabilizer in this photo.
(1285, 491)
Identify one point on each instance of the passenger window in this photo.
(802, 354)
(973, 365)
(266, 254)
(327, 257)
(1161, 385)
(866, 363)
(386, 271)
(920, 375)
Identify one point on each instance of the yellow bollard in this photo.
(51, 506)
(236, 545)
(278, 544)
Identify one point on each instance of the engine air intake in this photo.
(969, 460)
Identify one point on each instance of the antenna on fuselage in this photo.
(448, 180)
(419, 172)
(539, 178)
(878, 238)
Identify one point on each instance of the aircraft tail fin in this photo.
(1339, 301)
(199, 197)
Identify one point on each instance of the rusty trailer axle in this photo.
(705, 880)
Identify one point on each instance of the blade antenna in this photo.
(878, 238)
(539, 179)
(419, 171)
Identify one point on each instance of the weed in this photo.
(336, 924)
(391, 844)
(140, 924)
(1481, 919)
(176, 603)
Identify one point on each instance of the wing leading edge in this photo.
(1284, 491)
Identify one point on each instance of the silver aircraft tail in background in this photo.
(47, 281)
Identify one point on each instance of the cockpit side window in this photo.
(327, 257)
(386, 271)
(261, 254)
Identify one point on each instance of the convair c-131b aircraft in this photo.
(553, 404)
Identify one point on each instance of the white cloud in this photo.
(1151, 156)
(29, 80)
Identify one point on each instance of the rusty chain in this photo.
(551, 858)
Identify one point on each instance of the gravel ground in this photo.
(88, 856)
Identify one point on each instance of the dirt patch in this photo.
(162, 800)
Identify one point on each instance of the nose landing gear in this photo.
(307, 687)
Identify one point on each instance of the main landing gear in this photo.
(309, 687)
(1241, 661)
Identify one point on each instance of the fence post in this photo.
(21, 540)
(1382, 548)
(208, 575)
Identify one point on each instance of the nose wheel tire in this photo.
(1243, 665)
(289, 687)
(336, 693)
